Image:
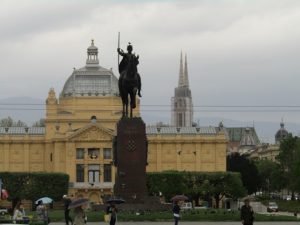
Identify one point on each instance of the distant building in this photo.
(270, 151)
(182, 104)
(281, 134)
(241, 139)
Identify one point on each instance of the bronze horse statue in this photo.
(129, 81)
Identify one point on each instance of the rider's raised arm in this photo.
(120, 51)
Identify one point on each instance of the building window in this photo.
(79, 153)
(93, 153)
(94, 173)
(107, 173)
(79, 173)
(107, 153)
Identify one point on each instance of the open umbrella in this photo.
(78, 202)
(179, 198)
(115, 200)
(4, 194)
(45, 200)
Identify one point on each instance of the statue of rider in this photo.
(128, 57)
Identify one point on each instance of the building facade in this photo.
(79, 128)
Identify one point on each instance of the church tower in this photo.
(182, 105)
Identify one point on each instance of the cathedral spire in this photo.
(186, 76)
(181, 74)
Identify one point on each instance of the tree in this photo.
(9, 122)
(271, 175)
(196, 184)
(32, 186)
(247, 169)
(289, 158)
(39, 123)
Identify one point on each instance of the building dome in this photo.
(281, 133)
(248, 138)
(91, 80)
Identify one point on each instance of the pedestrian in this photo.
(112, 210)
(67, 202)
(80, 216)
(42, 213)
(247, 214)
(176, 212)
(18, 213)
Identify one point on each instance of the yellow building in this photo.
(79, 128)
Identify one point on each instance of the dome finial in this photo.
(282, 123)
(92, 53)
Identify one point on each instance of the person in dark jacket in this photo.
(67, 202)
(247, 214)
(112, 210)
(176, 212)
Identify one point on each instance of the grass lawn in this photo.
(194, 215)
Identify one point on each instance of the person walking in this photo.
(41, 212)
(112, 210)
(67, 202)
(247, 214)
(80, 216)
(176, 212)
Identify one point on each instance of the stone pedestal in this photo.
(130, 158)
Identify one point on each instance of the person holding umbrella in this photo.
(41, 211)
(176, 209)
(79, 206)
(67, 202)
(176, 212)
(112, 210)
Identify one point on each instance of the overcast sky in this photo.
(239, 52)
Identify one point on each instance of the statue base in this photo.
(130, 158)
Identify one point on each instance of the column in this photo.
(158, 157)
(6, 157)
(26, 157)
(178, 155)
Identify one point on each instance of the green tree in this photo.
(196, 184)
(247, 169)
(289, 158)
(271, 175)
(9, 122)
(33, 186)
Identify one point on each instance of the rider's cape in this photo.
(123, 64)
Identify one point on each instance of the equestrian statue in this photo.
(129, 80)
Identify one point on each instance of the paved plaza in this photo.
(189, 223)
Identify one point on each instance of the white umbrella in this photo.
(45, 200)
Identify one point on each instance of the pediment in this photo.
(92, 132)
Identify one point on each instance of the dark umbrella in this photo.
(179, 198)
(78, 202)
(115, 200)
